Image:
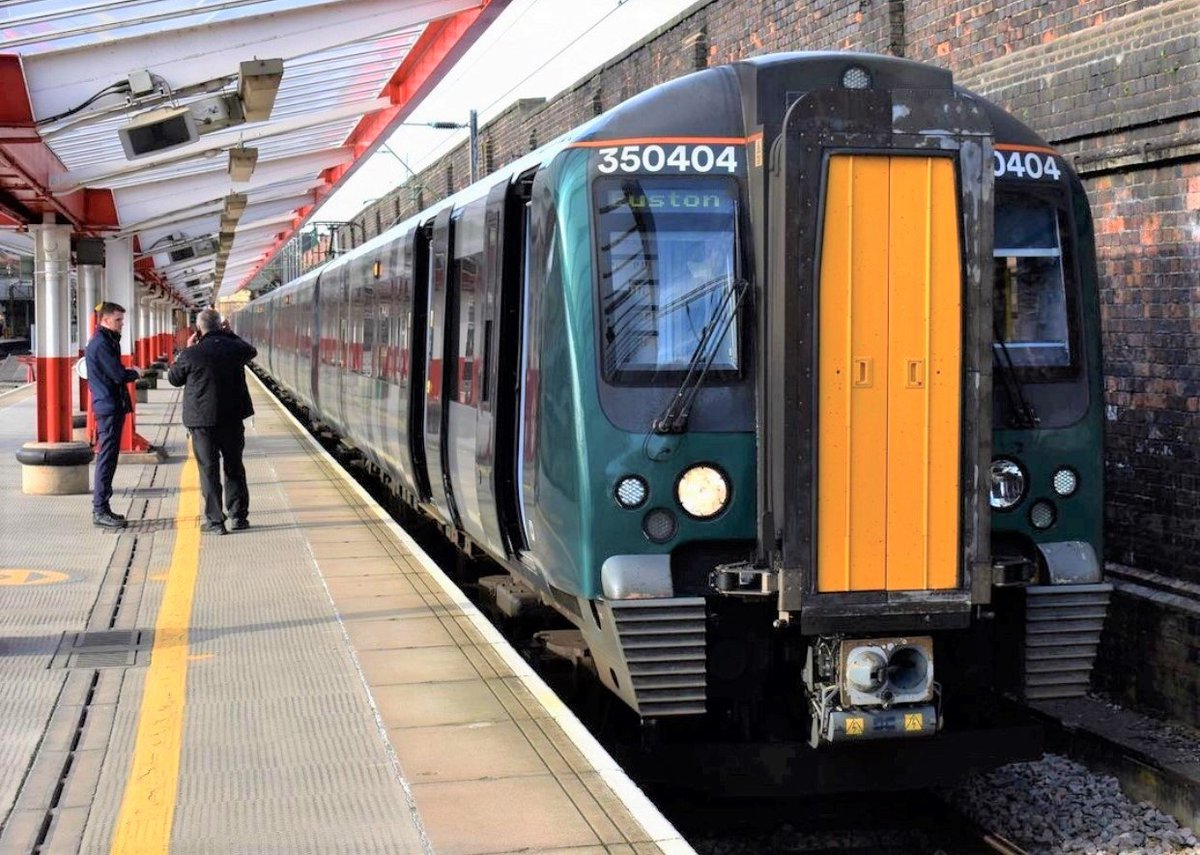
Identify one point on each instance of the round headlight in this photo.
(1008, 484)
(1066, 482)
(659, 525)
(1042, 514)
(702, 491)
(631, 492)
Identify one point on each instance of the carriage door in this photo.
(889, 335)
(441, 346)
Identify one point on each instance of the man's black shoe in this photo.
(113, 513)
(241, 525)
(213, 528)
(104, 519)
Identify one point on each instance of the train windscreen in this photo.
(1031, 310)
(668, 265)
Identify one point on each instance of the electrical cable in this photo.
(114, 89)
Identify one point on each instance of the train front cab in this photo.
(1047, 468)
(877, 407)
(875, 403)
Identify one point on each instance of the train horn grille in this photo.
(663, 642)
(1062, 634)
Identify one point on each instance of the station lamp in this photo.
(242, 161)
(235, 204)
(258, 84)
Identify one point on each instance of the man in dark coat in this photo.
(108, 382)
(215, 401)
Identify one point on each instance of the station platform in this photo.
(311, 684)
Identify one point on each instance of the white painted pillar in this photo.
(120, 288)
(86, 296)
(52, 305)
(145, 331)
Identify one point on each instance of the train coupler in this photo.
(871, 688)
(743, 580)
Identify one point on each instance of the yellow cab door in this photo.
(889, 353)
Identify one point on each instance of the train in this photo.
(779, 381)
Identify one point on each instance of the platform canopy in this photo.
(207, 130)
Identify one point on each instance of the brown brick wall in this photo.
(1115, 84)
(1150, 653)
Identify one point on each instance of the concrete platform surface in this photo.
(311, 684)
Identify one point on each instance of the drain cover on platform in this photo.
(113, 648)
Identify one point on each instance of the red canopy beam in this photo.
(433, 55)
(34, 165)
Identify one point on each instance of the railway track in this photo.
(916, 823)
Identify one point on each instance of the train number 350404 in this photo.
(1024, 164)
(671, 158)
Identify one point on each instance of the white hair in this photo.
(208, 320)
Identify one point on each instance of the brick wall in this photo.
(1158, 672)
(1115, 84)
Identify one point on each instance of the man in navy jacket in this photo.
(212, 370)
(107, 381)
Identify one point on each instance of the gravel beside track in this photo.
(1058, 806)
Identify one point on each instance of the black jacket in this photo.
(212, 372)
(106, 376)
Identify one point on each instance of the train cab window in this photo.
(668, 267)
(1031, 308)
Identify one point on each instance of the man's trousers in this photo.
(108, 450)
(212, 445)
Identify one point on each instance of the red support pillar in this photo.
(53, 352)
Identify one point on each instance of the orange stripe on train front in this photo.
(1014, 147)
(660, 141)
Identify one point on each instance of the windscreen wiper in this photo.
(1026, 416)
(674, 417)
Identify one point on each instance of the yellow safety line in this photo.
(148, 806)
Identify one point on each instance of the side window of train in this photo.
(344, 329)
(404, 303)
(1034, 312)
(383, 328)
(468, 278)
(329, 322)
(367, 312)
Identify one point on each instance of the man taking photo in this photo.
(215, 401)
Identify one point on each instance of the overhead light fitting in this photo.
(242, 161)
(235, 204)
(258, 84)
(157, 130)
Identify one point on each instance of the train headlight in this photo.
(702, 491)
(631, 492)
(1008, 484)
(1066, 482)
